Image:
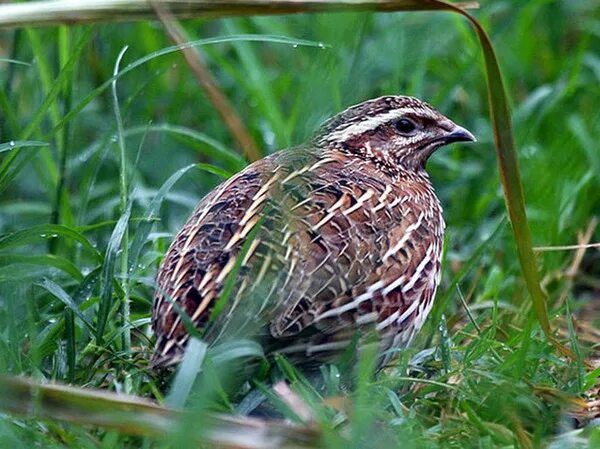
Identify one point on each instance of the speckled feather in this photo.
(349, 236)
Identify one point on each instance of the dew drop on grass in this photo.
(295, 46)
(12, 143)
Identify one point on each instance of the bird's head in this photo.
(395, 132)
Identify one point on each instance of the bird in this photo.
(313, 245)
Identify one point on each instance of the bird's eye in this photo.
(405, 126)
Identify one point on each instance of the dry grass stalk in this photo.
(54, 12)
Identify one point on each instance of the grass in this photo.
(98, 170)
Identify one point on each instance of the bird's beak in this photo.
(459, 134)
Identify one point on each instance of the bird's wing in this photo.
(196, 265)
(363, 253)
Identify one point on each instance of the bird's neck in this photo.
(380, 161)
(366, 155)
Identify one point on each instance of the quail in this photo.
(311, 245)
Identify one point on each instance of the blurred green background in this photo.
(508, 387)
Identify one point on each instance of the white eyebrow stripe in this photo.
(376, 121)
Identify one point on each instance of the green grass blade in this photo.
(108, 271)
(125, 209)
(41, 232)
(442, 300)
(509, 170)
(57, 291)
(259, 83)
(47, 340)
(8, 118)
(580, 129)
(187, 372)
(230, 350)
(57, 86)
(45, 260)
(15, 61)
(174, 48)
(9, 167)
(146, 224)
(214, 170)
(218, 150)
(71, 344)
(62, 212)
(15, 144)
(575, 346)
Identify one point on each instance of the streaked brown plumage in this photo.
(347, 234)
